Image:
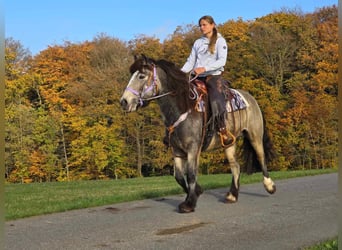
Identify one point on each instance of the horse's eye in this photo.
(141, 76)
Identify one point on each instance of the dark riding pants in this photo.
(216, 97)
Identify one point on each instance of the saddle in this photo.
(234, 99)
(234, 102)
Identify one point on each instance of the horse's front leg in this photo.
(179, 172)
(194, 190)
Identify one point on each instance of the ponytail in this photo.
(212, 41)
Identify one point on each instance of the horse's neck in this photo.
(170, 110)
(170, 105)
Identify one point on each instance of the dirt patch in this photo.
(115, 210)
(178, 230)
(112, 209)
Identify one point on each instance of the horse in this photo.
(187, 126)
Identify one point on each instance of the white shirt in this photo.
(200, 56)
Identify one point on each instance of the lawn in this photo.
(24, 200)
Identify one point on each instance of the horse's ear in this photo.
(147, 60)
(137, 57)
(144, 58)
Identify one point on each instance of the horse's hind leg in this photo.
(233, 194)
(260, 153)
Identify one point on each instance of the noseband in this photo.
(150, 87)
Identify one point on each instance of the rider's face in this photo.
(206, 27)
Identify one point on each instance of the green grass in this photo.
(25, 200)
(331, 244)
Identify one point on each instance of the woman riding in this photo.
(206, 61)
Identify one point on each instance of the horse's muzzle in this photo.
(123, 103)
(129, 106)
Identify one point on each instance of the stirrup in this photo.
(230, 142)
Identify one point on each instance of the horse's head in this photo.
(152, 80)
(142, 86)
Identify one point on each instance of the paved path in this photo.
(301, 212)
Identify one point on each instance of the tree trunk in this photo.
(65, 152)
(139, 153)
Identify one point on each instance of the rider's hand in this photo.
(199, 70)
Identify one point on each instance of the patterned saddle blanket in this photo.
(234, 99)
(236, 102)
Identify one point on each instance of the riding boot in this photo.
(218, 107)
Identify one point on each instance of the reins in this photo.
(157, 96)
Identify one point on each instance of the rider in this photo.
(206, 61)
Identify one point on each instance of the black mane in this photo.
(177, 79)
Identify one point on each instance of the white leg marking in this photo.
(231, 197)
(269, 185)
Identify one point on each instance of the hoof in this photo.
(230, 198)
(269, 185)
(273, 190)
(183, 208)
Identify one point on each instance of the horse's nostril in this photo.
(123, 103)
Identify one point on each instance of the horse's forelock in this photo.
(141, 63)
(137, 65)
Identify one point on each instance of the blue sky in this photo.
(37, 24)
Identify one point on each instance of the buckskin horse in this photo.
(182, 106)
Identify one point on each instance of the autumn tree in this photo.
(27, 123)
(309, 126)
(149, 46)
(274, 44)
(17, 129)
(178, 46)
(236, 35)
(98, 150)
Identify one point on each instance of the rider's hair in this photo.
(213, 39)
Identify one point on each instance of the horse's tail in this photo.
(251, 163)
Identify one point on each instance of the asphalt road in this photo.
(302, 212)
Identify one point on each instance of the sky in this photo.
(39, 24)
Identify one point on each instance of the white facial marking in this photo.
(133, 77)
(129, 96)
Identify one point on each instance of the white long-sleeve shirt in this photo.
(200, 56)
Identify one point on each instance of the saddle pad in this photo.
(238, 102)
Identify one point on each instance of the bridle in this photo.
(150, 86)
